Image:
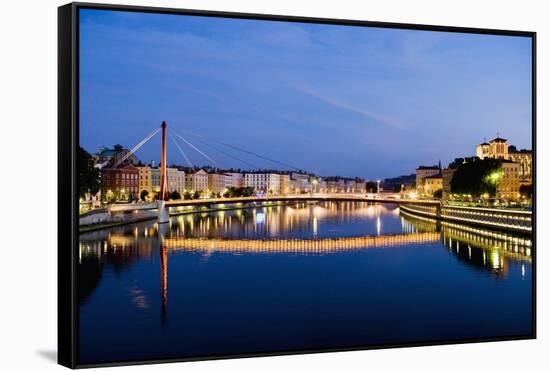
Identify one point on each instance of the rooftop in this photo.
(435, 167)
(437, 176)
(107, 152)
(512, 149)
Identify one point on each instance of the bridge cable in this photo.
(244, 150)
(229, 155)
(195, 148)
(181, 151)
(136, 147)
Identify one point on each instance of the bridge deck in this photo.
(313, 197)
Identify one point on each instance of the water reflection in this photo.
(298, 219)
(482, 248)
(156, 258)
(294, 228)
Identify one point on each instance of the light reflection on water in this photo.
(295, 220)
(215, 254)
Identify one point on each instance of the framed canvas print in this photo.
(233, 185)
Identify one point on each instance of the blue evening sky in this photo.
(334, 100)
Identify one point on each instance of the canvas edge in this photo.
(67, 179)
(67, 211)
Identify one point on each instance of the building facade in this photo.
(423, 172)
(498, 148)
(334, 185)
(149, 180)
(145, 179)
(196, 181)
(350, 186)
(219, 182)
(524, 158)
(120, 183)
(263, 182)
(508, 187)
(321, 186)
(300, 183)
(432, 184)
(175, 179)
(114, 156)
(482, 150)
(360, 186)
(446, 178)
(236, 179)
(286, 184)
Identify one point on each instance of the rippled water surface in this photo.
(294, 277)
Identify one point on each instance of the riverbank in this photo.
(516, 221)
(510, 220)
(99, 226)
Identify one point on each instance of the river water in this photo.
(320, 275)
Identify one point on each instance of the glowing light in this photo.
(494, 177)
(412, 195)
(496, 260)
(315, 226)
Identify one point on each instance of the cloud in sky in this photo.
(327, 98)
(338, 103)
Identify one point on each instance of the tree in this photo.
(144, 195)
(526, 191)
(239, 192)
(371, 187)
(174, 196)
(88, 174)
(247, 191)
(187, 195)
(477, 177)
(230, 192)
(438, 194)
(197, 195)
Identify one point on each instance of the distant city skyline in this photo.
(333, 100)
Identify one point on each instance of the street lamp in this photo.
(378, 186)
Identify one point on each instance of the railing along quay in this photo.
(509, 220)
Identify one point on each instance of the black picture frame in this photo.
(68, 142)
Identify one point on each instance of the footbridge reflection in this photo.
(315, 246)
